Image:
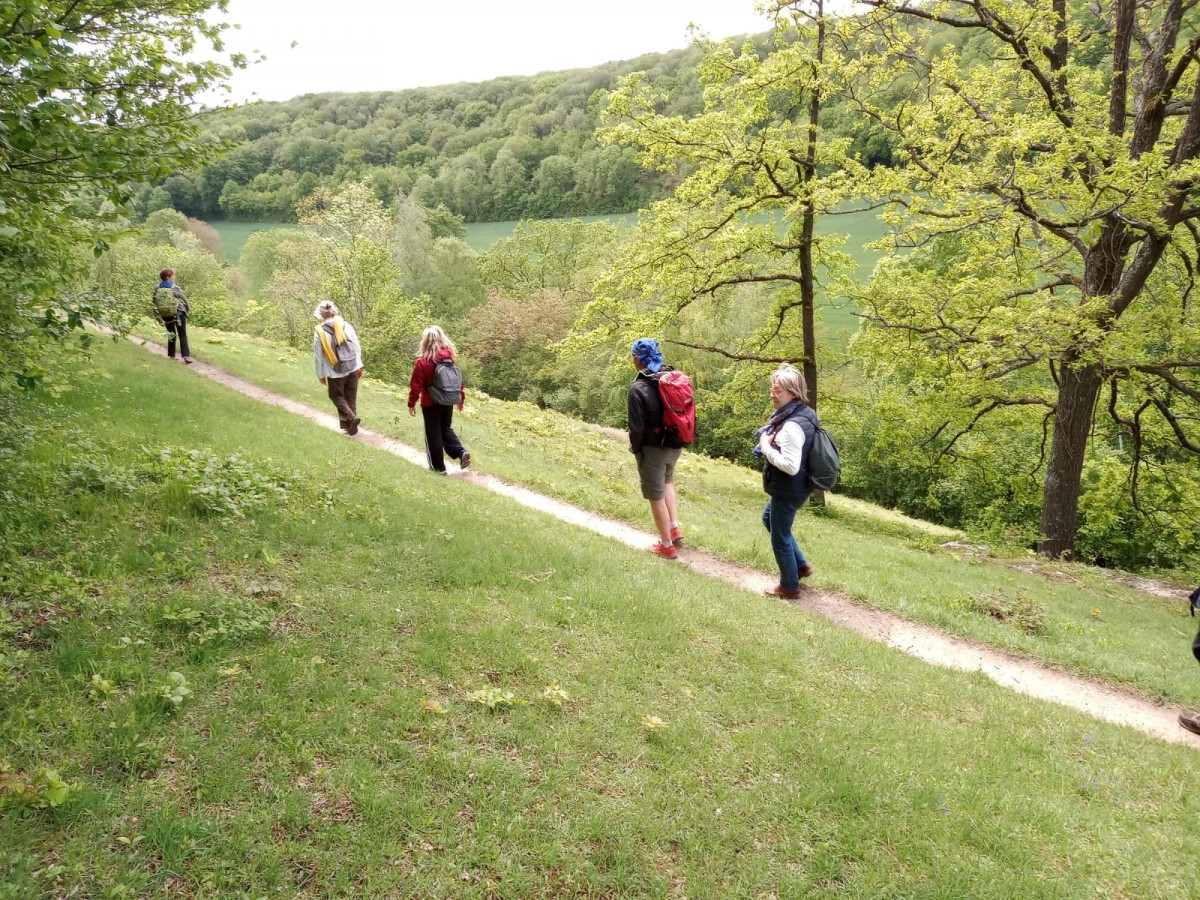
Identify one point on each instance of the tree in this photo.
(757, 176)
(92, 101)
(1068, 160)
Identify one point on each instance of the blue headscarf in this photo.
(645, 351)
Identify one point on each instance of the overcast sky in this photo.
(365, 45)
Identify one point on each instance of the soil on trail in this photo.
(1103, 701)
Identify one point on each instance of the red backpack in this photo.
(679, 406)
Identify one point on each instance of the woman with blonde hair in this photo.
(783, 443)
(437, 382)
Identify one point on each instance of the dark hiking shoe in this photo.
(805, 571)
(783, 593)
(1190, 721)
(188, 360)
(352, 428)
(464, 461)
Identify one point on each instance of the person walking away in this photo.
(437, 408)
(339, 363)
(653, 446)
(1191, 720)
(171, 307)
(782, 443)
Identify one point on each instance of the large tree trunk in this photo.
(1077, 392)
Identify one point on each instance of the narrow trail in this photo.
(1102, 701)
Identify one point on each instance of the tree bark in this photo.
(1079, 386)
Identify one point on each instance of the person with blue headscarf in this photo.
(655, 448)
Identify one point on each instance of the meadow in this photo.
(1071, 616)
(252, 657)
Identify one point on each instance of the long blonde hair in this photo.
(434, 339)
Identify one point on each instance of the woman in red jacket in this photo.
(440, 439)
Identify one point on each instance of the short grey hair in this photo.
(791, 380)
(325, 309)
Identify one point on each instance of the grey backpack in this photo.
(446, 389)
(346, 352)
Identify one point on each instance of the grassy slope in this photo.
(1093, 625)
(798, 759)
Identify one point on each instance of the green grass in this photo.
(797, 759)
(1093, 625)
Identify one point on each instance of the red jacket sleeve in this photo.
(421, 376)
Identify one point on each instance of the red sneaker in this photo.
(677, 537)
(665, 552)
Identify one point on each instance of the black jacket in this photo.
(778, 483)
(646, 414)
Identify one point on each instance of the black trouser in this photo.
(176, 325)
(344, 394)
(440, 438)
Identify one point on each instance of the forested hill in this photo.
(515, 147)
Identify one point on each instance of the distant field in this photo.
(234, 235)
(862, 226)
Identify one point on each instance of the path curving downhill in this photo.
(1102, 701)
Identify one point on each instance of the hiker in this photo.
(437, 382)
(171, 307)
(1191, 720)
(655, 448)
(339, 363)
(781, 443)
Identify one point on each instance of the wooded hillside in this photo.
(510, 148)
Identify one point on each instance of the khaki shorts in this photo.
(656, 468)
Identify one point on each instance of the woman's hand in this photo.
(412, 410)
(460, 406)
(764, 441)
(322, 381)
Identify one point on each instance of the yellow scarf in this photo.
(339, 335)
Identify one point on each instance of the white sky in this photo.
(369, 45)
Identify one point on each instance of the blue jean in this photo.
(777, 518)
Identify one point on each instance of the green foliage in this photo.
(87, 100)
(500, 150)
(541, 275)
(1055, 188)
(126, 275)
(225, 622)
(223, 487)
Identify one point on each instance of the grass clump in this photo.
(1020, 612)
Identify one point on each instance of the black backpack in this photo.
(446, 389)
(824, 463)
(346, 352)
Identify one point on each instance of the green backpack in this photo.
(165, 302)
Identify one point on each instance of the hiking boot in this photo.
(464, 461)
(665, 552)
(1190, 721)
(783, 593)
(805, 571)
(188, 360)
(677, 537)
(352, 428)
